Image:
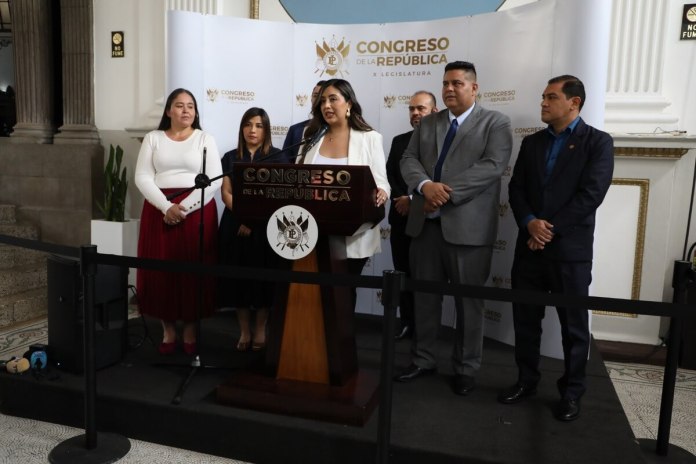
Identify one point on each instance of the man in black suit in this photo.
(421, 104)
(296, 131)
(560, 178)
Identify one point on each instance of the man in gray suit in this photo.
(453, 165)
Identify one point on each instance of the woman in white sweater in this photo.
(170, 158)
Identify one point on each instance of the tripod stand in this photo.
(201, 182)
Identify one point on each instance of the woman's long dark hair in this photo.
(265, 120)
(166, 121)
(355, 120)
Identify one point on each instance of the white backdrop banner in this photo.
(232, 64)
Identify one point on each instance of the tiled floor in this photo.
(638, 387)
(29, 442)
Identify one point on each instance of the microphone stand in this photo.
(201, 182)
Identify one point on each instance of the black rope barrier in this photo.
(63, 250)
(392, 283)
(643, 307)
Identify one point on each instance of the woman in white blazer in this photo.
(348, 140)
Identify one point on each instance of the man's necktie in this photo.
(445, 148)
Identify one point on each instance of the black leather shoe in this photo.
(412, 372)
(516, 393)
(406, 332)
(568, 410)
(463, 384)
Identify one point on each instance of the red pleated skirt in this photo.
(173, 296)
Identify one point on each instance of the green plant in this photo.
(116, 184)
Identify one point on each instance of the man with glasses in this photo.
(453, 167)
(422, 103)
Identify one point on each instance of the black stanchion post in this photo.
(680, 284)
(91, 447)
(392, 283)
(681, 278)
(88, 271)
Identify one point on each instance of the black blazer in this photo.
(294, 135)
(396, 180)
(578, 183)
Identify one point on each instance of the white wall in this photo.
(680, 71)
(129, 94)
(130, 91)
(126, 89)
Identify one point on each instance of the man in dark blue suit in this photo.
(296, 131)
(560, 178)
(422, 103)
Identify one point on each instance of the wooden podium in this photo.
(311, 367)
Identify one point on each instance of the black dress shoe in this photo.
(406, 332)
(516, 393)
(463, 384)
(568, 410)
(412, 372)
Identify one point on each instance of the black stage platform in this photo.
(429, 424)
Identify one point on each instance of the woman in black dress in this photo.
(244, 244)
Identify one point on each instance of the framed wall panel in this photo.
(620, 242)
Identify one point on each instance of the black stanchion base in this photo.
(675, 454)
(110, 448)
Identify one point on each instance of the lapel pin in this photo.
(571, 146)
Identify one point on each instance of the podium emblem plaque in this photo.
(292, 232)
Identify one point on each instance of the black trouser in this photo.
(533, 271)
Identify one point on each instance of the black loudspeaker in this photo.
(65, 321)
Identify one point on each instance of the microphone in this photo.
(314, 139)
(202, 179)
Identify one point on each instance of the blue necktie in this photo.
(445, 148)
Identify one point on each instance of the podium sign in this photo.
(341, 198)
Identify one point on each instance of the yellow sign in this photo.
(118, 49)
(688, 29)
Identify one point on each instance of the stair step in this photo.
(11, 256)
(7, 214)
(19, 230)
(23, 287)
(22, 307)
(21, 278)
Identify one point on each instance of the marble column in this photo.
(78, 80)
(211, 7)
(34, 71)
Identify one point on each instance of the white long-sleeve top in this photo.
(165, 163)
(364, 148)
